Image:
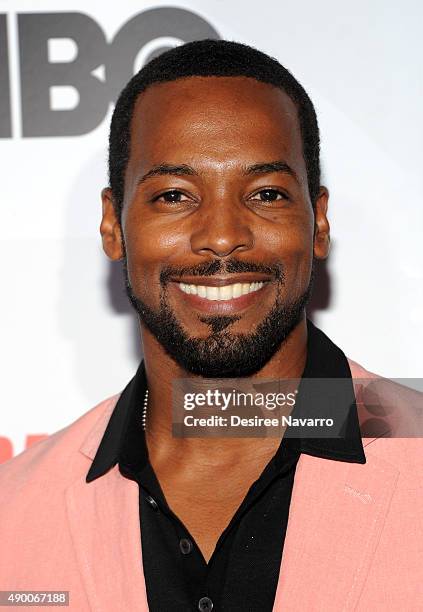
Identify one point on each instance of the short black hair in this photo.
(209, 58)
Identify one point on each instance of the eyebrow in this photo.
(166, 169)
(273, 166)
(185, 170)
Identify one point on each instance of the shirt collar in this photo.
(327, 361)
(124, 438)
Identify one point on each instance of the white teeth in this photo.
(212, 293)
(236, 290)
(227, 292)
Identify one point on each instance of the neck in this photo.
(161, 370)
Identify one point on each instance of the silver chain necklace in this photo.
(144, 410)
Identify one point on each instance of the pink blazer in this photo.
(354, 538)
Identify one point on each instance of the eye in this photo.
(269, 195)
(172, 196)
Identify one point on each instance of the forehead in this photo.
(230, 120)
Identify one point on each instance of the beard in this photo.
(222, 354)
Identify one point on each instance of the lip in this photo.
(223, 307)
(221, 281)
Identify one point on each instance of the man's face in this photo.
(217, 206)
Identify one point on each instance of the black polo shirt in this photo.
(243, 572)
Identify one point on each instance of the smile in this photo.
(222, 293)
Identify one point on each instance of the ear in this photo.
(321, 225)
(110, 229)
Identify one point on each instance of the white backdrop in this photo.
(68, 341)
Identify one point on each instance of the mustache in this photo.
(218, 266)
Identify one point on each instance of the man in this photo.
(216, 210)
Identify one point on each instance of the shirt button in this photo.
(152, 502)
(185, 545)
(205, 604)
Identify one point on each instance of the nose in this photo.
(221, 229)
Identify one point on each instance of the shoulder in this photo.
(358, 371)
(390, 421)
(62, 456)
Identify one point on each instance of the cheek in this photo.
(149, 246)
(292, 245)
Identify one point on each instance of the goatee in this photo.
(222, 354)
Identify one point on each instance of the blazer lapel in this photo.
(336, 517)
(104, 522)
(103, 517)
